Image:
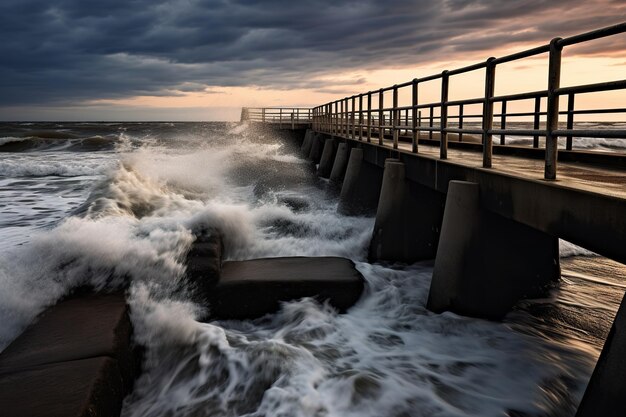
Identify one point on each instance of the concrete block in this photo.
(249, 289)
(86, 326)
(486, 263)
(327, 159)
(80, 388)
(606, 391)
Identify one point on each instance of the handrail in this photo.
(288, 116)
(375, 122)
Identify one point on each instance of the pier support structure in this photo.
(361, 186)
(307, 142)
(408, 218)
(486, 263)
(316, 148)
(327, 159)
(606, 391)
(340, 163)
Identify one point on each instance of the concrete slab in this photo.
(86, 326)
(249, 289)
(88, 387)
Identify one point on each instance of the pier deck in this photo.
(605, 180)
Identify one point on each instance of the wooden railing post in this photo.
(490, 78)
(280, 120)
(552, 111)
(381, 121)
(430, 122)
(345, 118)
(415, 138)
(503, 122)
(419, 122)
(443, 121)
(570, 120)
(320, 119)
(360, 117)
(293, 122)
(394, 120)
(263, 114)
(536, 121)
(369, 116)
(353, 119)
(341, 121)
(326, 125)
(330, 118)
(461, 122)
(336, 118)
(406, 121)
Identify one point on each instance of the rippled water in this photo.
(103, 204)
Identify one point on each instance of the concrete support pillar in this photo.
(340, 164)
(327, 159)
(361, 186)
(316, 148)
(606, 391)
(408, 218)
(486, 263)
(308, 141)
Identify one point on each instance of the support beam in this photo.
(486, 263)
(408, 218)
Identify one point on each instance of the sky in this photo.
(205, 59)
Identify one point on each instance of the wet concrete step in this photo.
(87, 387)
(253, 288)
(75, 359)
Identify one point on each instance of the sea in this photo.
(110, 205)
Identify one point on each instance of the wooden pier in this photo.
(489, 213)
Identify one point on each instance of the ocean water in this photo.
(102, 204)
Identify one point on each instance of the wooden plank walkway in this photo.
(582, 176)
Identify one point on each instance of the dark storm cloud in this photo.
(70, 51)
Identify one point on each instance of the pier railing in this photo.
(367, 117)
(281, 116)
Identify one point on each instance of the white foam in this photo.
(388, 356)
(238, 129)
(38, 165)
